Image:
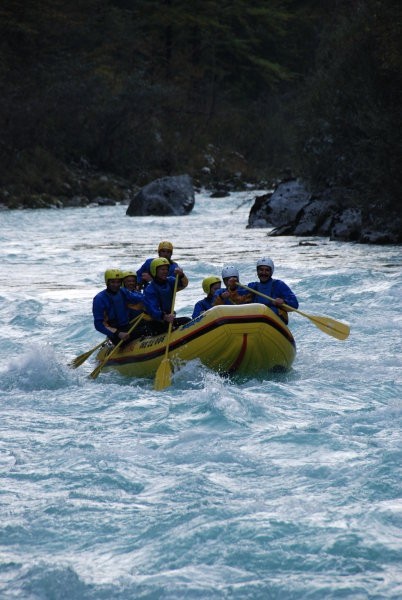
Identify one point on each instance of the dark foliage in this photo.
(155, 87)
(349, 106)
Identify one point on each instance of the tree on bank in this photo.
(347, 133)
(147, 88)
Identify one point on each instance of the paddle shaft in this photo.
(286, 306)
(326, 324)
(163, 373)
(79, 360)
(169, 332)
(99, 368)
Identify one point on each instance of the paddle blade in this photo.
(96, 371)
(163, 375)
(77, 362)
(338, 330)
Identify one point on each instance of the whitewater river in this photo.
(285, 487)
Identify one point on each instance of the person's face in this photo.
(264, 273)
(113, 284)
(165, 253)
(162, 272)
(130, 282)
(231, 282)
(214, 287)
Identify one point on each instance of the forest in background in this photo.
(145, 88)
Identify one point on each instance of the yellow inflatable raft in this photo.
(248, 339)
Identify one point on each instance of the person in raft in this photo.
(110, 309)
(129, 281)
(159, 295)
(231, 293)
(165, 250)
(210, 285)
(275, 288)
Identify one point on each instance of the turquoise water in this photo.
(285, 487)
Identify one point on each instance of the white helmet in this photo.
(266, 262)
(230, 271)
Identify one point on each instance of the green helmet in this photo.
(157, 262)
(112, 274)
(128, 274)
(208, 281)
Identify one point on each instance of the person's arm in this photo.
(219, 297)
(136, 302)
(132, 296)
(284, 295)
(239, 297)
(152, 303)
(143, 273)
(255, 285)
(173, 265)
(100, 314)
(183, 281)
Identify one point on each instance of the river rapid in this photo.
(283, 487)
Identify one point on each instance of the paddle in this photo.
(77, 362)
(164, 372)
(326, 324)
(99, 368)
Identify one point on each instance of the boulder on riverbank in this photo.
(292, 210)
(164, 196)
